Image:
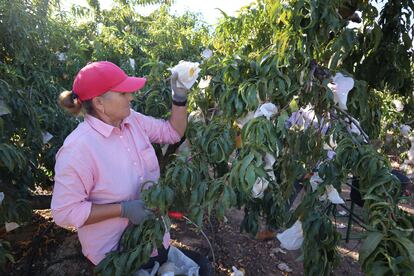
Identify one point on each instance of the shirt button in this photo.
(121, 136)
(135, 163)
(128, 149)
(141, 178)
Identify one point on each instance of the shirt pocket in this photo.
(150, 159)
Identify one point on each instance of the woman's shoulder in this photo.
(75, 144)
(78, 136)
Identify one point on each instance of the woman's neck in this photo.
(106, 119)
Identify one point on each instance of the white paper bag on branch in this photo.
(187, 73)
(267, 110)
(340, 88)
(292, 238)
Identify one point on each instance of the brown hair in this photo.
(68, 101)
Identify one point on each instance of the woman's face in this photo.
(115, 107)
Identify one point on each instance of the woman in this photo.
(103, 162)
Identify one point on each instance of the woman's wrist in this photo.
(101, 212)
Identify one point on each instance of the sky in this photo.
(208, 9)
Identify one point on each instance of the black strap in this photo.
(179, 103)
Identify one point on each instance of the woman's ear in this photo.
(98, 105)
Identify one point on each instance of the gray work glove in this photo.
(179, 94)
(135, 211)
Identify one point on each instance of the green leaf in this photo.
(369, 245)
(379, 268)
(409, 246)
(281, 121)
(4, 108)
(250, 176)
(132, 259)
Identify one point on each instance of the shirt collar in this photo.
(98, 125)
(127, 120)
(102, 127)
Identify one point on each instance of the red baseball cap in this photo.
(99, 77)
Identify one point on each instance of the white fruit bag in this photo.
(187, 73)
(292, 238)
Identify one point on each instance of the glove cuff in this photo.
(179, 103)
(123, 207)
(178, 97)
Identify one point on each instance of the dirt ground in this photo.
(42, 248)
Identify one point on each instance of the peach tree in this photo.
(271, 110)
(42, 47)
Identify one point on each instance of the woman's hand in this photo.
(179, 94)
(135, 211)
(178, 117)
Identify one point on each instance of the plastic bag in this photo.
(262, 183)
(10, 226)
(178, 263)
(242, 121)
(340, 88)
(237, 272)
(405, 130)
(352, 126)
(410, 153)
(303, 118)
(333, 195)
(330, 192)
(148, 272)
(269, 161)
(267, 110)
(331, 154)
(259, 187)
(315, 180)
(292, 238)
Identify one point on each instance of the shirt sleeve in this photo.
(158, 130)
(73, 179)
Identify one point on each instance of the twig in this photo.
(410, 123)
(171, 149)
(212, 114)
(213, 232)
(265, 48)
(205, 236)
(284, 108)
(349, 132)
(353, 120)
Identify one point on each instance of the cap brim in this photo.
(130, 84)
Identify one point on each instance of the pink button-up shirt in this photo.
(101, 164)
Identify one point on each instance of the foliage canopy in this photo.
(284, 52)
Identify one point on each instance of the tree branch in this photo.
(353, 120)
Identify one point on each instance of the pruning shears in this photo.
(175, 214)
